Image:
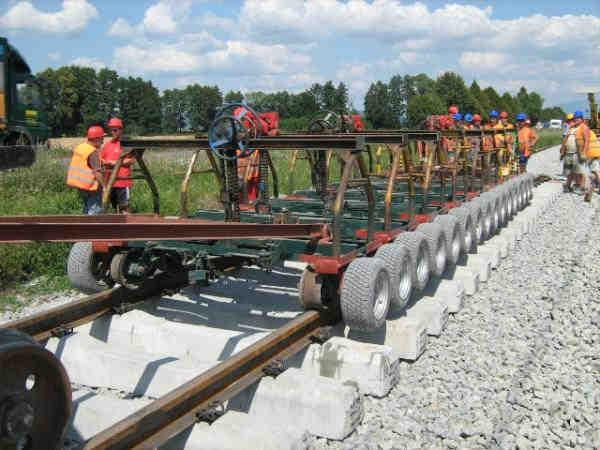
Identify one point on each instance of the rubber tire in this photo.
(358, 296)
(478, 218)
(494, 200)
(399, 266)
(453, 235)
(486, 213)
(418, 249)
(467, 229)
(437, 246)
(79, 269)
(502, 212)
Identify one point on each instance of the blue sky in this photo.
(552, 47)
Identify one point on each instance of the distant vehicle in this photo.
(555, 124)
(22, 122)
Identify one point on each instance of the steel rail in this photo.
(46, 324)
(287, 142)
(177, 410)
(171, 230)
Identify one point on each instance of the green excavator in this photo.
(22, 121)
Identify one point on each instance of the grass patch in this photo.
(548, 137)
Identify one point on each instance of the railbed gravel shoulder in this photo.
(519, 366)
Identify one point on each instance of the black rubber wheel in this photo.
(418, 248)
(453, 235)
(35, 394)
(398, 264)
(86, 269)
(437, 246)
(467, 228)
(365, 296)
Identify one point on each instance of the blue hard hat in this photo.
(468, 117)
(458, 116)
(494, 113)
(578, 114)
(521, 116)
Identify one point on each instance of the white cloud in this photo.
(54, 56)
(163, 17)
(84, 61)
(155, 58)
(483, 61)
(72, 18)
(121, 28)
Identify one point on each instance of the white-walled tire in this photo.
(365, 296)
(437, 246)
(418, 248)
(399, 266)
(453, 235)
(467, 227)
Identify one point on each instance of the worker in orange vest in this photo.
(527, 140)
(85, 171)
(121, 190)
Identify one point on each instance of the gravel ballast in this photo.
(519, 366)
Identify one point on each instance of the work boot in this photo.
(588, 197)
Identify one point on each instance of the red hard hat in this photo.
(504, 115)
(476, 118)
(95, 132)
(453, 109)
(115, 122)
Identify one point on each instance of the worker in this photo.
(468, 122)
(583, 139)
(593, 163)
(121, 189)
(568, 124)
(527, 139)
(85, 171)
(458, 121)
(477, 122)
(573, 150)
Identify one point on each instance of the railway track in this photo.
(146, 368)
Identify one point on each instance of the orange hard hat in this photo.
(476, 118)
(95, 132)
(115, 122)
(453, 109)
(504, 115)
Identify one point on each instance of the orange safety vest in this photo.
(594, 148)
(80, 174)
(526, 134)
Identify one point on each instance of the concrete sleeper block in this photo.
(407, 336)
(481, 265)
(491, 252)
(469, 278)
(374, 367)
(449, 292)
(434, 313)
(235, 430)
(325, 407)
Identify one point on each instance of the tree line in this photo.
(75, 97)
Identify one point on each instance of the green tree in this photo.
(139, 105)
(341, 98)
(555, 112)
(234, 97)
(173, 111)
(201, 103)
(422, 106)
(329, 96)
(481, 99)
(399, 89)
(451, 88)
(377, 106)
(493, 99)
(303, 104)
(509, 104)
